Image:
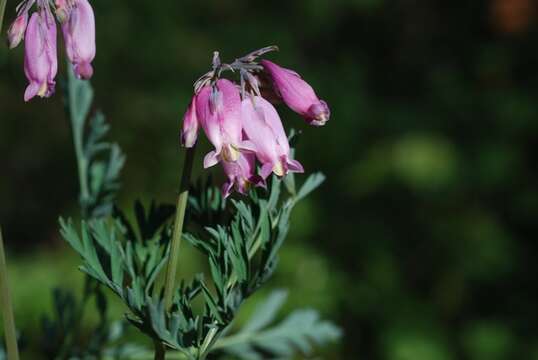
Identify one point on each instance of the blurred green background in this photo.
(420, 242)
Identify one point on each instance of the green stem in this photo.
(2, 11)
(7, 308)
(173, 260)
(170, 281)
(77, 128)
(81, 165)
(160, 352)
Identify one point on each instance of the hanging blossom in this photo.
(38, 29)
(240, 121)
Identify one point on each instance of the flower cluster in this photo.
(241, 122)
(39, 32)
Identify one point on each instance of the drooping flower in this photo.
(218, 109)
(297, 94)
(79, 35)
(241, 175)
(263, 127)
(189, 130)
(40, 61)
(16, 31)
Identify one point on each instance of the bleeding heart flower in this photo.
(218, 109)
(241, 175)
(263, 127)
(189, 130)
(16, 31)
(297, 94)
(40, 58)
(79, 36)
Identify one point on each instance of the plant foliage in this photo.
(298, 331)
(99, 162)
(242, 254)
(240, 238)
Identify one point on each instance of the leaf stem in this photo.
(173, 260)
(7, 308)
(2, 11)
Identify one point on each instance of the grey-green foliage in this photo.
(241, 248)
(62, 338)
(99, 162)
(125, 258)
(298, 331)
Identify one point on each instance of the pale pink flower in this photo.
(218, 109)
(40, 58)
(79, 36)
(189, 130)
(16, 31)
(263, 128)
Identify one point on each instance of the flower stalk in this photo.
(173, 260)
(170, 280)
(7, 308)
(2, 11)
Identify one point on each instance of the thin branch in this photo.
(2, 11)
(7, 308)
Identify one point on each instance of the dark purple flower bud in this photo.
(297, 94)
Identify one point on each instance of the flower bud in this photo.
(297, 94)
(241, 175)
(79, 36)
(40, 58)
(218, 110)
(17, 29)
(263, 127)
(63, 9)
(189, 131)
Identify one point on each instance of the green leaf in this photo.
(313, 182)
(299, 332)
(80, 97)
(266, 312)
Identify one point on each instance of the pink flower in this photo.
(218, 109)
(263, 127)
(79, 35)
(241, 175)
(40, 61)
(297, 94)
(189, 131)
(16, 31)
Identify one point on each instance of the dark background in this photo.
(421, 244)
